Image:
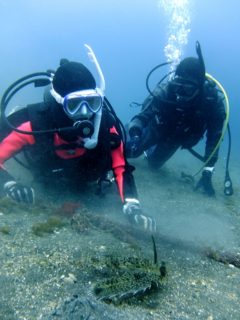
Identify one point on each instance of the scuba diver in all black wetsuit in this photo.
(176, 115)
(74, 133)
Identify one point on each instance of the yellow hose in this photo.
(224, 125)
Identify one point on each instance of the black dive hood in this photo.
(201, 62)
(38, 79)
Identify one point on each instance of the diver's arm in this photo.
(141, 120)
(9, 146)
(16, 118)
(128, 192)
(150, 107)
(215, 123)
(215, 120)
(123, 174)
(15, 141)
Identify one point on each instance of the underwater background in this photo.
(129, 38)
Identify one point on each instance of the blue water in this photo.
(128, 38)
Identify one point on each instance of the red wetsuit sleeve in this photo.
(14, 142)
(123, 172)
(118, 166)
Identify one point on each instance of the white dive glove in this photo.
(19, 192)
(132, 210)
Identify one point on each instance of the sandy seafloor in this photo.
(34, 273)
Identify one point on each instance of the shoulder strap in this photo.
(40, 120)
(39, 116)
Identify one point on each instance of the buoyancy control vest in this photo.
(41, 157)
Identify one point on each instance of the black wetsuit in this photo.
(167, 126)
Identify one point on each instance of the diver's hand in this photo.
(133, 147)
(19, 192)
(205, 181)
(104, 182)
(132, 210)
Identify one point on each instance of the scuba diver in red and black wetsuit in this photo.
(177, 114)
(74, 133)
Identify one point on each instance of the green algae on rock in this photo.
(53, 223)
(5, 229)
(123, 279)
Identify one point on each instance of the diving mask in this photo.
(183, 89)
(73, 102)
